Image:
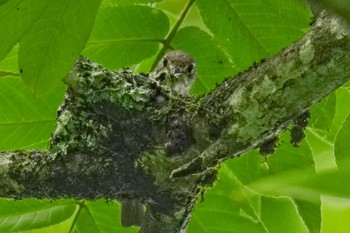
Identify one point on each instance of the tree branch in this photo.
(119, 135)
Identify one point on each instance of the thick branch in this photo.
(122, 136)
(261, 102)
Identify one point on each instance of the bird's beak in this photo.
(177, 72)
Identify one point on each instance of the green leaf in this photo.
(9, 66)
(310, 212)
(106, 216)
(224, 211)
(127, 2)
(26, 122)
(322, 115)
(50, 47)
(116, 42)
(84, 222)
(63, 226)
(235, 198)
(3, 2)
(279, 214)
(342, 109)
(252, 167)
(306, 184)
(342, 145)
(31, 214)
(16, 17)
(251, 30)
(335, 215)
(322, 150)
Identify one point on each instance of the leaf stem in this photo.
(171, 35)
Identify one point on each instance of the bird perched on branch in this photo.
(177, 70)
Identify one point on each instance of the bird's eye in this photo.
(161, 77)
(190, 68)
(165, 62)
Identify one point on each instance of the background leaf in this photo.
(341, 146)
(127, 2)
(25, 122)
(16, 17)
(16, 216)
(50, 47)
(106, 216)
(251, 30)
(116, 43)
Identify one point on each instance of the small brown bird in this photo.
(177, 70)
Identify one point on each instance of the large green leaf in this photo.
(342, 109)
(234, 206)
(310, 212)
(249, 30)
(50, 47)
(9, 66)
(106, 216)
(224, 211)
(127, 2)
(116, 42)
(323, 114)
(335, 215)
(281, 214)
(16, 17)
(306, 184)
(26, 122)
(342, 144)
(16, 216)
(84, 222)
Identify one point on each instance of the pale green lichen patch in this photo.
(8, 184)
(90, 85)
(26, 171)
(264, 89)
(307, 52)
(249, 112)
(236, 98)
(122, 87)
(152, 161)
(339, 32)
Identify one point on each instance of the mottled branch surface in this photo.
(121, 136)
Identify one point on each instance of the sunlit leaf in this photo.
(106, 216)
(50, 47)
(251, 30)
(30, 214)
(342, 145)
(26, 122)
(117, 43)
(16, 17)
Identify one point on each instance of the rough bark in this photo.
(121, 136)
